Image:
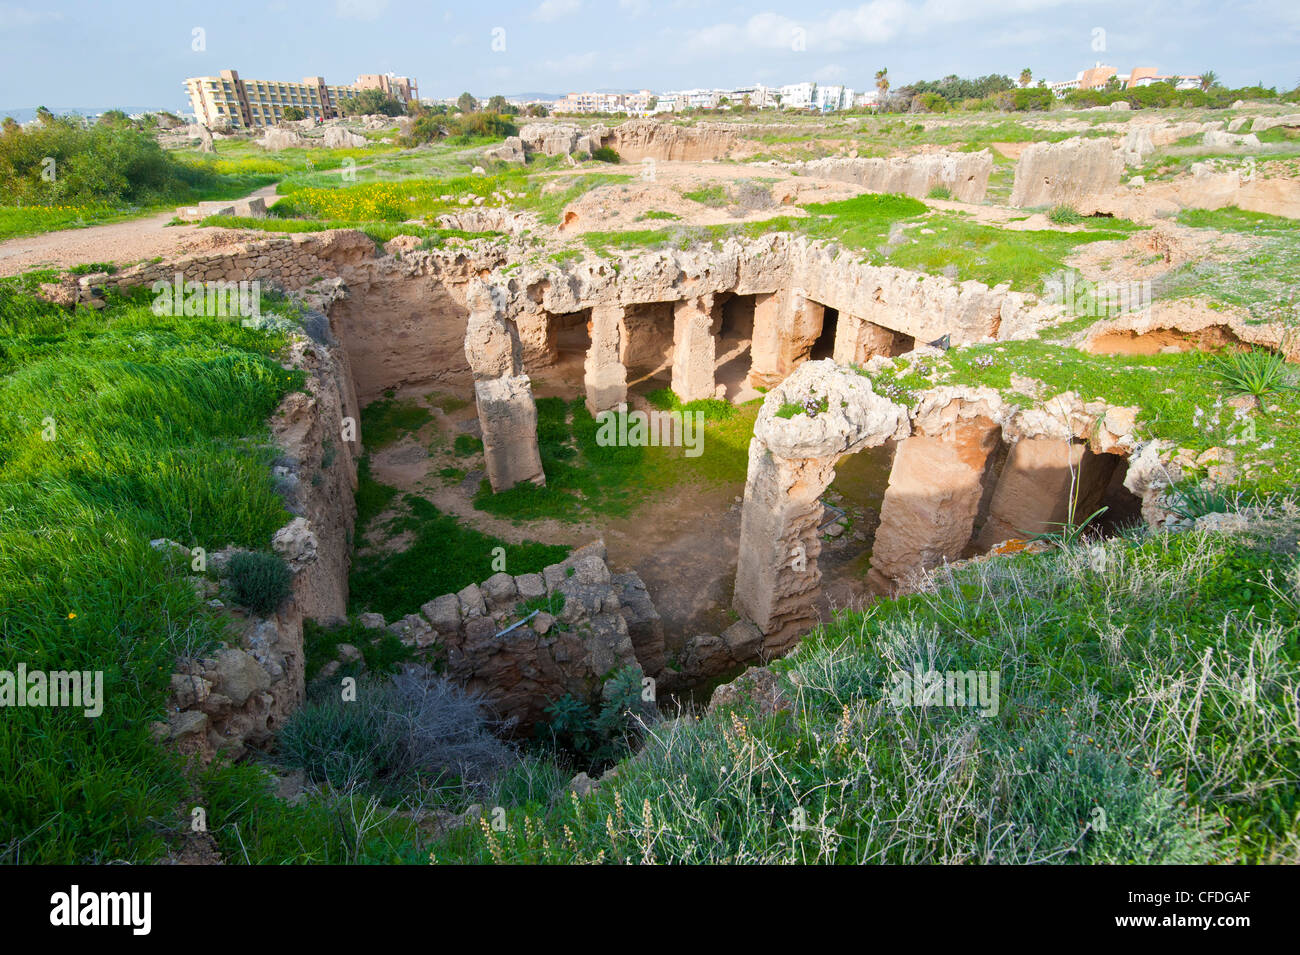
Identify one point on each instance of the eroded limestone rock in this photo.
(1052, 173)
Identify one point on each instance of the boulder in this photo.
(239, 676)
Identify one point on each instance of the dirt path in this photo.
(123, 243)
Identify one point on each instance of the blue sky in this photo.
(63, 54)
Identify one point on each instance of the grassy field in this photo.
(116, 428)
(1161, 736)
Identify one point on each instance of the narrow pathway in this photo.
(121, 242)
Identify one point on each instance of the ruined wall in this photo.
(791, 462)
(965, 174)
(607, 622)
(1051, 173)
(639, 139)
(238, 694)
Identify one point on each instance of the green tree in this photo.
(292, 114)
(371, 101)
(1026, 76)
(1209, 80)
(466, 103)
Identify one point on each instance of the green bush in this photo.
(107, 164)
(1256, 371)
(1064, 215)
(605, 154)
(259, 581)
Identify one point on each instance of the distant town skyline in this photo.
(75, 53)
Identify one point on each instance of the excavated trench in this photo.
(926, 493)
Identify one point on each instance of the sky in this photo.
(75, 53)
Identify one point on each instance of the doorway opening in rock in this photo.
(824, 346)
(850, 517)
(646, 347)
(734, 353)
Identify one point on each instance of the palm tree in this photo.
(882, 81)
(1026, 77)
(1209, 80)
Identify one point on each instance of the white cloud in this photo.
(573, 63)
(549, 10)
(868, 24)
(12, 15)
(360, 9)
(635, 8)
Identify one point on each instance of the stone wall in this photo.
(237, 695)
(597, 622)
(639, 139)
(966, 175)
(1052, 173)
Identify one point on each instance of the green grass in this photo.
(388, 420)
(1180, 395)
(714, 195)
(966, 250)
(158, 431)
(1148, 717)
(1259, 279)
(443, 557)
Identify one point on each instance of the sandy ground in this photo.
(124, 243)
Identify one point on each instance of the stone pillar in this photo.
(858, 340)
(791, 462)
(764, 350)
(503, 394)
(694, 348)
(508, 416)
(605, 373)
(786, 326)
(1034, 491)
(934, 494)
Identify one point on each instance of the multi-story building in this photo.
(636, 103)
(828, 98)
(226, 100)
(401, 88)
(1099, 75)
(797, 95)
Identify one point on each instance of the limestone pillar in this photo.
(694, 348)
(858, 340)
(503, 394)
(791, 462)
(1033, 494)
(764, 349)
(934, 494)
(604, 371)
(777, 578)
(508, 416)
(786, 326)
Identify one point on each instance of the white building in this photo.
(829, 98)
(797, 95)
